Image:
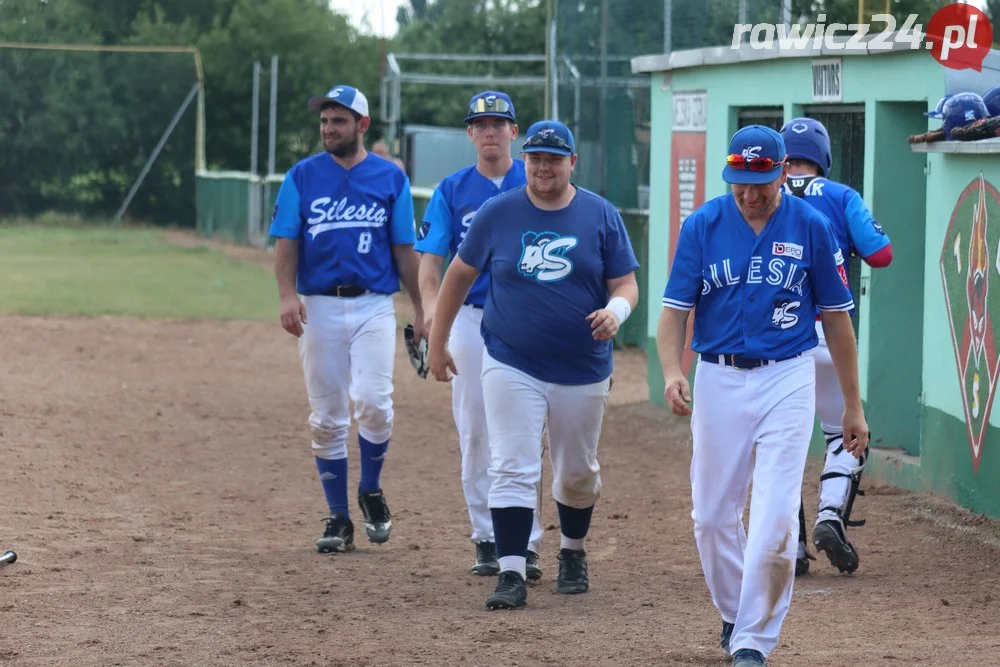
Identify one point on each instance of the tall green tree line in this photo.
(76, 128)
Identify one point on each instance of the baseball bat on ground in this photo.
(8, 558)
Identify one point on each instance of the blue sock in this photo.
(333, 475)
(512, 528)
(574, 523)
(372, 458)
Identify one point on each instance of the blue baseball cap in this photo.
(755, 142)
(345, 96)
(490, 103)
(549, 136)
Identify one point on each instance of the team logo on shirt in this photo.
(424, 228)
(838, 258)
(543, 256)
(784, 313)
(787, 249)
(328, 214)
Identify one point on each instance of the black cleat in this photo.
(338, 536)
(747, 657)
(378, 519)
(828, 536)
(486, 564)
(532, 568)
(511, 592)
(572, 571)
(725, 636)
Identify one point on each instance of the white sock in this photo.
(518, 564)
(568, 543)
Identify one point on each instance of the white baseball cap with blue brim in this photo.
(756, 156)
(345, 96)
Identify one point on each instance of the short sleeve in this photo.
(619, 257)
(684, 281)
(866, 235)
(286, 222)
(435, 230)
(828, 273)
(402, 230)
(476, 248)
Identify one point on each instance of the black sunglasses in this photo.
(548, 140)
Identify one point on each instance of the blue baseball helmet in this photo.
(939, 109)
(807, 139)
(992, 100)
(960, 110)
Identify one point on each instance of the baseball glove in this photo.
(417, 351)
(927, 137)
(984, 128)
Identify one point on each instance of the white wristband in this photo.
(619, 306)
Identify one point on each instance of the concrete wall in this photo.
(920, 406)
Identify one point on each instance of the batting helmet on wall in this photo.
(992, 100)
(939, 109)
(807, 139)
(960, 110)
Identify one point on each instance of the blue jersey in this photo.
(756, 295)
(855, 228)
(346, 221)
(548, 271)
(449, 214)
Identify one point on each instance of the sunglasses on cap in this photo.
(490, 104)
(549, 140)
(753, 164)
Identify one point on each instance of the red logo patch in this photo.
(843, 275)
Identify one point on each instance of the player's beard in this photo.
(345, 148)
(763, 211)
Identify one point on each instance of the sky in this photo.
(358, 9)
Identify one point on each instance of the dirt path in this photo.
(160, 493)
(163, 503)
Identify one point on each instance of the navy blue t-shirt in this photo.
(548, 271)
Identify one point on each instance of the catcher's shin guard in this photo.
(803, 556)
(830, 535)
(832, 472)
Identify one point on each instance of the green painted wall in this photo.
(910, 380)
(894, 334)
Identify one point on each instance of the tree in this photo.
(78, 127)
(487, 28)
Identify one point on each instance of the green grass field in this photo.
(88, 271)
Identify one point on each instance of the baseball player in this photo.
(754, 265)
(491, 128)
(345, 234)
(857, 233)
(562, 281)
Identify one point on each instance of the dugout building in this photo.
(929, 324)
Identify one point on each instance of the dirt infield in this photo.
(160, 493)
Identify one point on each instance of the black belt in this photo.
(741, 362)
(347, 291)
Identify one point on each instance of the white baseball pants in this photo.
(833, 492)
(467, 347)
(750, 425)
(519, 408)
(348, 352)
